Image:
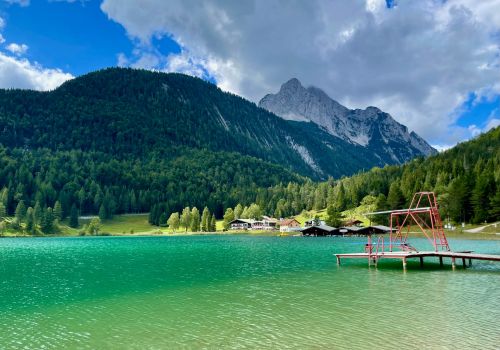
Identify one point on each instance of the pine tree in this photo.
(30, 222)
(213, 224)
(395, 198)
(20, 211)
(494, 211)
(334, 218)
(47, 221)
(162, 221)
(58, 215)
(186, 218)
(103, 213)
(195, 220)
(173, 221)
(37, 213)
(3, 211)
(73, 217)
(205, 220)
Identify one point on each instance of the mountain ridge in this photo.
(356, 126)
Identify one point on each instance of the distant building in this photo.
(267, 223)
(241, 224)
(319, 230)
(289, 225)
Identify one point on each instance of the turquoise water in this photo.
(235, 292)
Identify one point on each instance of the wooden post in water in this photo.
(338, 260)
(404, 263)
(441, 261)
(421, 261)
(453, 263)
(470, 262)
(463, 263)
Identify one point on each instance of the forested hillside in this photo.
(125, 141)
(466, 179)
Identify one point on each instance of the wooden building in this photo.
(289, 225)
(320, 230)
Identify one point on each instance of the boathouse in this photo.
(320, 230)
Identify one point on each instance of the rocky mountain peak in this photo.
(370, 127)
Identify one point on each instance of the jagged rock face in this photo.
(370, 128)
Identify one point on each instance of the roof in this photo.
(286, 222)
(353, 222)
(247, 221)
(321, 227)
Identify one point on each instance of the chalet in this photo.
(289, 225)
(266, 223)
(241, 224)
(319, 230)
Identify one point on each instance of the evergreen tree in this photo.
(162, 221)
(37, 213)
(480, 197)
(3, 211)
(195, 220)
(395, 198)
(205, 220)
(173, 221)
(73, 217)
(254, 212)
(58, 214)
(495, 206)
(238, 210)
(186, 218)
(228, 217)
(213, 224)
(334, 218)
(30, 222)
(20, 211)
(47, 221)
(102, 213)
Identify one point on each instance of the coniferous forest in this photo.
(81, 152)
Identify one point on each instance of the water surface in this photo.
(238, 292)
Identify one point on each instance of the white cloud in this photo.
(418, 61)
(22, 3)
(17, 49)
(2, 39)
(20, 73)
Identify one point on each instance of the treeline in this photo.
(189, 219)
(97, 184)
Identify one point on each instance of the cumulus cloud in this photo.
(419, 60)
(17, 49)
(21, 73)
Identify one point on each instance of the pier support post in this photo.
(404, 264)
(338, 260)
(463, 263)
(470, 262)
(453, 263)
(441, 261)
(421, 261)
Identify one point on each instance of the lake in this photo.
(217, 292)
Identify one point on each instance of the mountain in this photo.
(387, 140)
(126, 112)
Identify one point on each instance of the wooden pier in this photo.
(374, 257)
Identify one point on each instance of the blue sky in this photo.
(405, 63)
